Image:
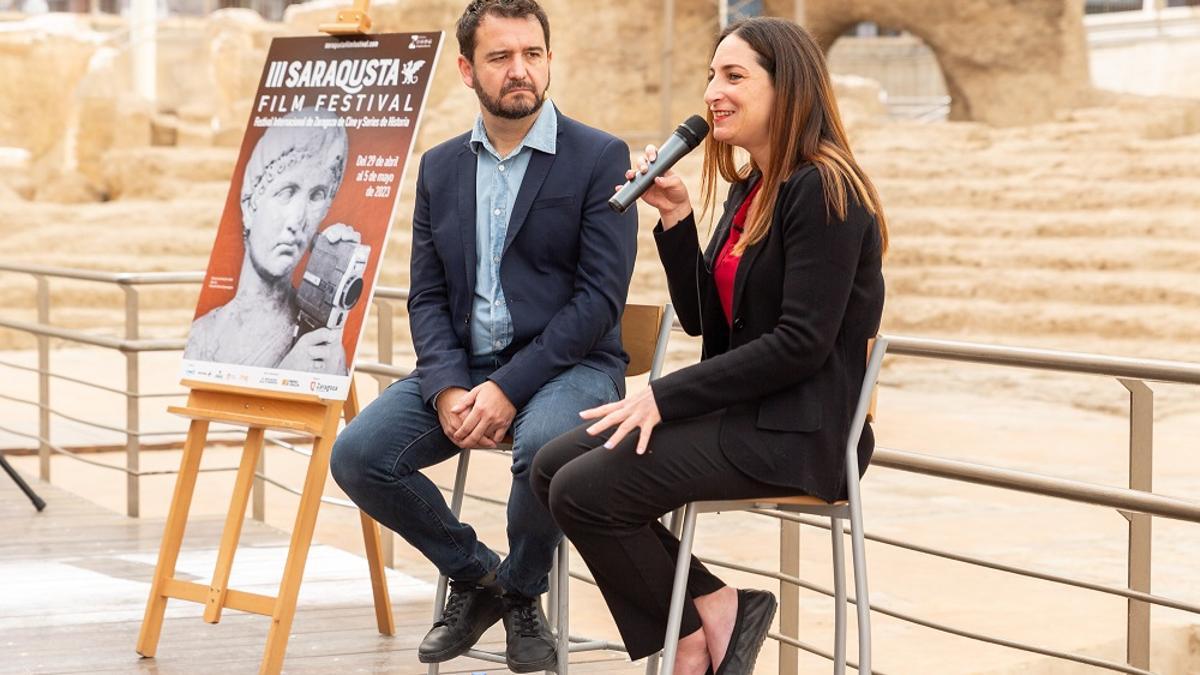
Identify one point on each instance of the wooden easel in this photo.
(350, 21)
(259, 411)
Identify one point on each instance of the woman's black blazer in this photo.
(788, 372)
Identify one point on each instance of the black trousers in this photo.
(608, 503)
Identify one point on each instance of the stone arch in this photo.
(1004, 63)
(900, 63)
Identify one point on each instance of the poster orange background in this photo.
(369, 216)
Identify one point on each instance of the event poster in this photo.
(297, 253)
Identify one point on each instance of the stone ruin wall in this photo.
(1005, 62)
(605, 71)
(66, 90)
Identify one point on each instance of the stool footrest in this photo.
(484, 655)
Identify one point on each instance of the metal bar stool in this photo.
(848, 509)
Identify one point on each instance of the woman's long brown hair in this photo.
(805, 127)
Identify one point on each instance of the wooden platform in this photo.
(74, 581)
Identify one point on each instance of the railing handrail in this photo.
(1124, 499)
(391, 292)
(1156, 370)
(95, 339)
(382, 369)
(122, 278)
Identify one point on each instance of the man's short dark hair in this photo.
(468, 23)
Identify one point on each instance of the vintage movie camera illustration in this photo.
(332, 284)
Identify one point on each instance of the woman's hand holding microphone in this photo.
(668, 194)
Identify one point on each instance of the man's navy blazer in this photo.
(565, 270)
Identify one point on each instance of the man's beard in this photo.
(511, 111)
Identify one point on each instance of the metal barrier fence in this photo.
(1138, 503)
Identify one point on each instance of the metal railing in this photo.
(919, 108)
(1137, 503)
(131, 346)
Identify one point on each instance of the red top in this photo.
(725, 270)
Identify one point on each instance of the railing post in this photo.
(132, 405)
(43, 346)
(789, 596)
(384, 344)
(1141, 472)
(383, 330)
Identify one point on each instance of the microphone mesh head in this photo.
(693, 130)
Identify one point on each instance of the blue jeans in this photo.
(377, 461)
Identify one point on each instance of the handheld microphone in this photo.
(685, 139)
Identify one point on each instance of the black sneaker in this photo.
(471, 609)
(531, 646)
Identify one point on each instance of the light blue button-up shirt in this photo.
(497, 180)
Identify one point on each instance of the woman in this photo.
(786, 297)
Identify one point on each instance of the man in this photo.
(288, 186)
(518, 281)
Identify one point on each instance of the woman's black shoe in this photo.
(755, 611)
